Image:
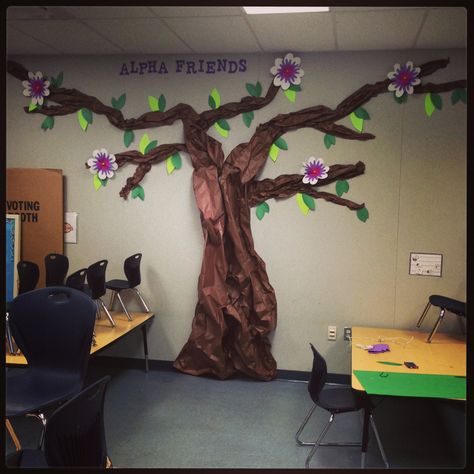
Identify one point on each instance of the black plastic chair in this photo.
(131, 269)
(74, 435)
(28, 276)
(53, 328)
(444, 304)
(56, 266)
(96, 287)
(335, 400)
(77, 280)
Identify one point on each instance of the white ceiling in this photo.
(36, 30)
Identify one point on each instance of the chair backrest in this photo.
(53, 328)
(75, 432)
(131, 267)
(56, 266)
(96, 278)
(318, 375)
(77, 279)
(28, 276)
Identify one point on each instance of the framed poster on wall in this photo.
(12, 255)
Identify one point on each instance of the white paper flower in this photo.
(287, 71)
(314, 170)
(102, 163)
(403, 79)
(36, 87)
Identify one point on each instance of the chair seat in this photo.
(454, 306)
(32, 392)
(117, 285)
(338, 399)
(26, 458)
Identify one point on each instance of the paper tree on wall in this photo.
(236, 308)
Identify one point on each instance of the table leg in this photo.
(145, 346)
(365, 435)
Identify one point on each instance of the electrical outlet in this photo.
(347, 334)
(332, 331)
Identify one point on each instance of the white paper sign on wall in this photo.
(426, 264)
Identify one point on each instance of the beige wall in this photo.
(327, 267)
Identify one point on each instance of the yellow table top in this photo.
(105, 334)
(444, 355)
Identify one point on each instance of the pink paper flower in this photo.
(36, 87)
(287, 71)
(314, 170)
(102, 163)
(403, 79)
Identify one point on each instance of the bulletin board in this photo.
(12, 254)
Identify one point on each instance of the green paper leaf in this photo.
(221, 131)
(247, 117)
(262, 208)
(254, 90)
(59, 80)
(32, 107)
(162, 103)
(215, 96)
(363, 214)
(429, 106)
(309, 201)
(459, 95)
(169, 165)
(153, 103)
(128, 137)
(273, 152)
(402, 99)
(87, 114)
(290, 95)
(177, 161)
(301, 204)
(357, 122)
(103, 181)
(138, 191)
(97, 182)
(329, 140)
(85, 118)
(150, 146)
(295, 87)
(48, 123)
(361, 113)
(437, 100)
(120, 102)
(342, 186)
(144, 141)
(223, 124)
(281, 144)
(212, 103)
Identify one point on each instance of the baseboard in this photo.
(167, 365)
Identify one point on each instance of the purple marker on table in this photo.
(377, 348)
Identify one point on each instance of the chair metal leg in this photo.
(318, 441)
(300, 429)
(11, 346)
(141, 299)
(12, 434)
(43, 420)
(123, 306)
(379, 442)
(423, 315)
(436, 326)
(109, 316)
(98, 308)
(112, 300)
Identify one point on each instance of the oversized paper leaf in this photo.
(254, 90)
(153, 103)
(57, 81)
(214, 99)
(261, 209)
(363, 214)
(281, 144)
(342, 186)
(401, 99)
(97, 182)
(223, 124)
(361, 113)
(309, 201)
(301, 204)
(150, 146)
(144, 141)
(32, 107)
(273, 152)
(329, 140)
(290, 95)
(48, 123)
(162, 103)
(104, 181)
(357, 122)
(437, 100)
(211, 102)
(429, 106)
(128, 137)
(169, 165)
(247, 117)
(220, 130)
(138, 191)
(177, 161)
(85, 118)
(295, 87)
(459, 95)
(120, 102)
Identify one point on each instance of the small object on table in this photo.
(388, 363)
(377, 348)
(411, 365)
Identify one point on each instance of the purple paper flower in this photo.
(36, 87)
(287, 71)
(314, 170)
(403, 79)
(102, 163)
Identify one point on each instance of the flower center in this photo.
(103, 163)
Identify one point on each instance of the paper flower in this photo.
(102, 163)
(287, 71)
(314, 170)
(403, 79)
(36, 87)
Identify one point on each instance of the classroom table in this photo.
(441, 371)
(105, 334)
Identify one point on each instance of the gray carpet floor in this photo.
(165, 419)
